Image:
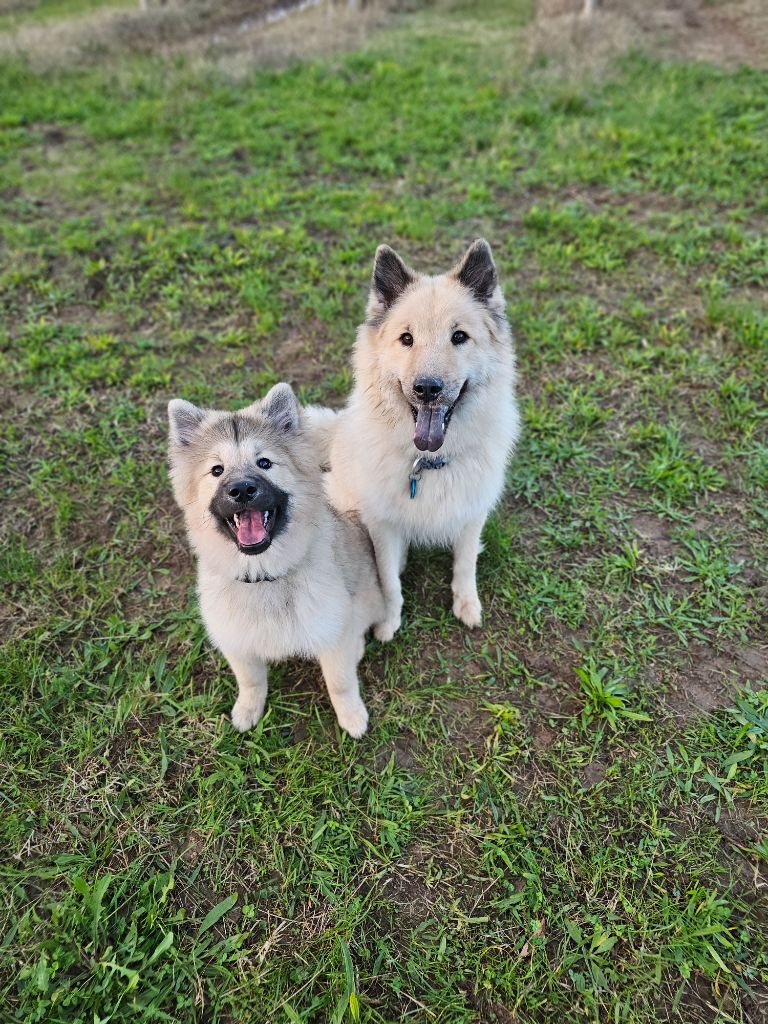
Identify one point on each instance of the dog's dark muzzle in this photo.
(251, 511)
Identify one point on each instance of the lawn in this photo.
(559, 817)
(15, 13)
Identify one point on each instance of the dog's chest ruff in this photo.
(295, 615)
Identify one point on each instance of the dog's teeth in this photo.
(236, 519)
(266, 517)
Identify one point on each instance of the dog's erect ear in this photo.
(184, 419)
(390, 279)
(477, 271)
(281, 406)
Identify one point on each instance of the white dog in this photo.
(421, 449)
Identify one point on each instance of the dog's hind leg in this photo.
(251, 675)
(339, 665)
(466, 548)
(391, 552)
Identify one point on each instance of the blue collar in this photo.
(419, 465)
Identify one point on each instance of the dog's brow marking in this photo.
(234, 430)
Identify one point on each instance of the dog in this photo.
(280, 574)
(420, 450)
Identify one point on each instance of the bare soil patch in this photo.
(593, 774)
(654, 535)
(302, 358)
(410, 897)
(403, 749)
(711, 678)
(468, 726)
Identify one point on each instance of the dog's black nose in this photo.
(428, 388)
(243, 490)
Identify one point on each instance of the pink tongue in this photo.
(430, 429)
(250, 528)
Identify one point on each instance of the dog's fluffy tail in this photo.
(321, 423)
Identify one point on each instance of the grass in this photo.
(30, 12)
(561, 816)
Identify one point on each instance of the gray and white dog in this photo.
(280, 574)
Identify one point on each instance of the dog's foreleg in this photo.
(466, 548)
(251, 676)
(390, 549)
(339, 665)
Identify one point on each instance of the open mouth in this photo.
(252, 528)
(432, 423)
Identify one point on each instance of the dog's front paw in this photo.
(353, 719)
(468, 609)
(384, 631)
(245, 714)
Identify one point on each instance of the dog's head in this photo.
(429, 342)
(246, 479)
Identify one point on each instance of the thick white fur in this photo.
(325, 593)
(372, 448)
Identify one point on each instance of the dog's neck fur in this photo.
(265, 578)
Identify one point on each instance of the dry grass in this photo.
(729, 34)
(235, 35)
(321, 28)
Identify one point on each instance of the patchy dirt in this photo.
(711, 677)
(120, 747)
(557, 702)
(117, 748)
(746, 871)
(654, 535)
(738, 825)
(556, 654)
(593, 774)
(468, 726)
(302, 357)
(753, 661)
(558, 665)
(449, 865)
(497, 1013)
(543, 736)
(695, 692)
(193, 849)
(410, 897)
(404, 749)
(700, 1003)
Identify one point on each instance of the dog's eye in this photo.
(406, 339)
(217, 471)
(264, 464)
(459, 337)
